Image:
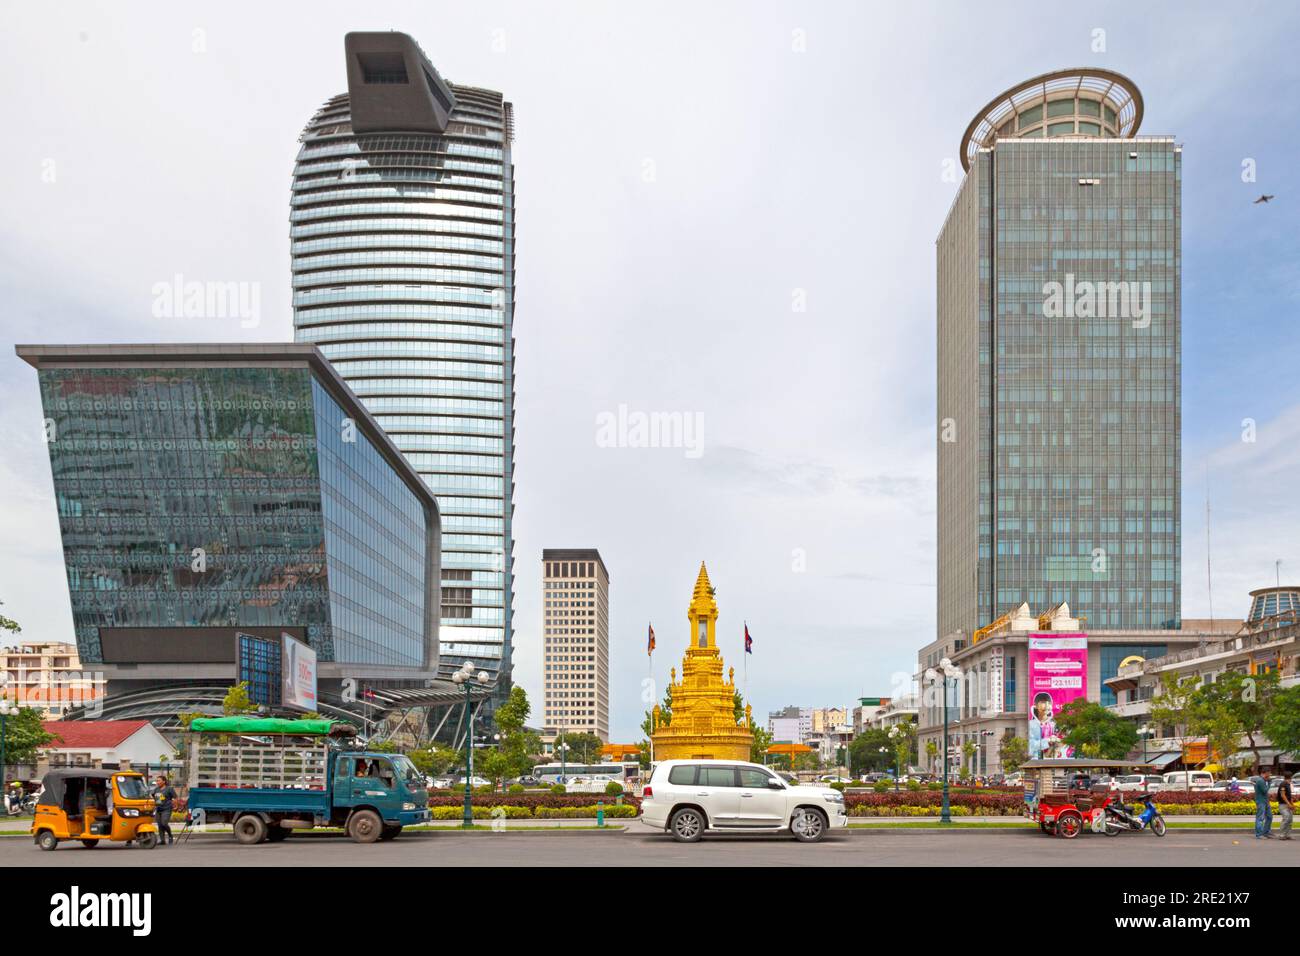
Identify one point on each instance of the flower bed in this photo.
(532, 801)
(496, 811)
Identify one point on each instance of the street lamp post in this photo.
(467, 677)
(894, 733)
(1144, 732)
(564, 748)
(941, 676)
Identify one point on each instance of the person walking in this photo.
(165, 796)
(1285, 806)
(1263, 810)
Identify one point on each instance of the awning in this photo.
(1267, 755)
(1165, 759)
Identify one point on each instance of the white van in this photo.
(1201, 780)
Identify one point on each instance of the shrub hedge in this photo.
(445, 812)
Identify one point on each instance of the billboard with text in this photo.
(1058, 674)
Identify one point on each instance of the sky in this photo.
(725, 210)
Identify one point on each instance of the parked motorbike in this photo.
(1120, 817)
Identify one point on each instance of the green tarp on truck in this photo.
(260, 725)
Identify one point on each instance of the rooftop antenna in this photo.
(1209, 585)
(1277, 570)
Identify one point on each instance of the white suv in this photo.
(688, 797)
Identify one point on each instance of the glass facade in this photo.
(403, 274)
(1059, 476)
(1111, 657)
(232, 496)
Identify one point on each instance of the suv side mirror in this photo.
(774, 783)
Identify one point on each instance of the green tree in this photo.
(9, 624)
(968, 751)
(1014, 752)
(237, 700)
(1169, 705)
(1282, 725)
(932, 751)
(583, 747)
(865, 752)
(1248, 698)
(516, 745)
(1211, 715)
(435, 760)
(762, 740)
(25, 734)
(1094, 730)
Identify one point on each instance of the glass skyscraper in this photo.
(1059, 349)
(402, 235)
(210, 491)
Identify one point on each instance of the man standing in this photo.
(165, 796)
(1285, 806)
(1263, 811)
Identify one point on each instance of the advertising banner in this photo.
(298, 674)
(1058, 674)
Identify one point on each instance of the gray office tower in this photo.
(402, 235)
(1059, 361)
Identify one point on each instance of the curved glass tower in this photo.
(402, 240)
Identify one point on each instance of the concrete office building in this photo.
(211, 493)
(575, 642)
(1059, 349)
(990, 700)
(402, 241)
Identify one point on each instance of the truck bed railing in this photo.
(243, 763)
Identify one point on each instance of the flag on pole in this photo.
(749, 641)
(650, 641)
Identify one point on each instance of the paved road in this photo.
(638, 846)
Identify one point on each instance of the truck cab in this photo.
(387, 785)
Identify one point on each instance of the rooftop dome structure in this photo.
(1079, 102)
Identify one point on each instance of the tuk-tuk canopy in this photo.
(1083, 763)
(56, 783)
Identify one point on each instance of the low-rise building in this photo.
(47, 676)
(104, 743)
(1257, 646)
(991, 697)
(790, 724)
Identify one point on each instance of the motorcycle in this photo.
(1120, 818)
(16, 805)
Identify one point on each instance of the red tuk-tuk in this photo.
(1062, 797)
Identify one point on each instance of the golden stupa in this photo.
(703, 723)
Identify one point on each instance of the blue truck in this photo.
(270, 776)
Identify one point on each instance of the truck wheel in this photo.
(276, 834)
(249, 829)
(390, 833)
(365, 826)
(46, 840)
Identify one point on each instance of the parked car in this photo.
(442, 783)
(688, 798)
(583, 784)
(474, 781)
(1139, 782)
(1178, 780)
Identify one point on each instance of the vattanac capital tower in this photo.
(402, 234)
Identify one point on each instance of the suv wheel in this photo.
(808, 826)
(687, 825)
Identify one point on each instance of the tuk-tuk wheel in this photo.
(147, 840)
(1069, 825)
(90, 844)
(46, 840)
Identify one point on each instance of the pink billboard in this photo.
(1058, 673)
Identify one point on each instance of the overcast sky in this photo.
(688, 174)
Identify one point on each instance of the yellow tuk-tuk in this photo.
(93, 805)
